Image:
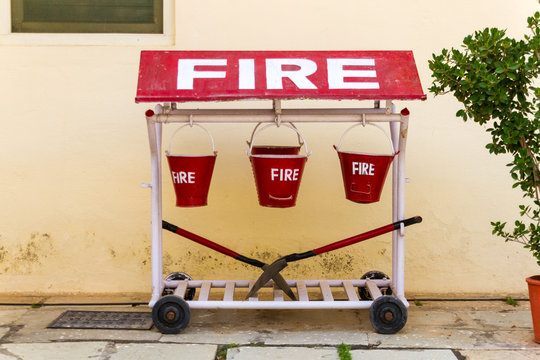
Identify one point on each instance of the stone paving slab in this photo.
(213, 336)
(450, 338)
(273, 327)
(279, 353)
(501, 354)
(274, 337)
(106, 350)
(102, 299)
(8, 316)
(508, 319)
(334, 337)
(326, 353)
(440, 338)
(402, 355)
(504, 339)
(57, 351)
(33, 328)
(284, 320)
(163, 351)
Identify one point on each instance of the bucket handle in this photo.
(275, 198)
(368, 192)
(290, 126)
(377, 126)
(191, 125)
(300, 142)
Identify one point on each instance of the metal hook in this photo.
(190, 120)
(278, 120)
(276, 104)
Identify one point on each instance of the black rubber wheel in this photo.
(170, 314)
(190, 293)
(373, 275)
(388, 315)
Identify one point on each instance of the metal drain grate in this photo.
(123, 320)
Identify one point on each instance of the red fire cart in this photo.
(171, 77)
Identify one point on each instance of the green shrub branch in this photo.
(494, 77)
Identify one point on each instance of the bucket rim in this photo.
(364, 153)
(279, 156)
(277, 146)
(189, 155)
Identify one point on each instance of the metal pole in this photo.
(154, 136)
(268, 115)
(394, 133)
(400, 241)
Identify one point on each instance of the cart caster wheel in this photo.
(373, 275)
(170, 314)
(190, 293)
(388, 315)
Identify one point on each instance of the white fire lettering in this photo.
(284, 174)
(246, 74)
(187, 72)
(337, 74)
(361, 168)
(182, 177)
(275, 73)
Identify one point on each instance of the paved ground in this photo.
(435, 330)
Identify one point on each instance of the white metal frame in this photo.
(168, 113)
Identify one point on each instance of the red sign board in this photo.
(179, 76)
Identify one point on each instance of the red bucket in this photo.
(191, 175)
(277, 176)
(274, 149)
(364, 174)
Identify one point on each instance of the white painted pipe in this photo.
(154, 137)
(394, 133)
(291, 283)
(281, 305)
(256, 116)
(400, 252)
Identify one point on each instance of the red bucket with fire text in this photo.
(191, 174)
(364, 174)
(277, 175)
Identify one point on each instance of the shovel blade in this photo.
(270, 272)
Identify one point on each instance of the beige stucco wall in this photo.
(74, 150)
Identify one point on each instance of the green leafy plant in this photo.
(222, 351)
(344, 352)
(494, 77)
(510, 301)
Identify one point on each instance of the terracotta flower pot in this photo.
(534, 295)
